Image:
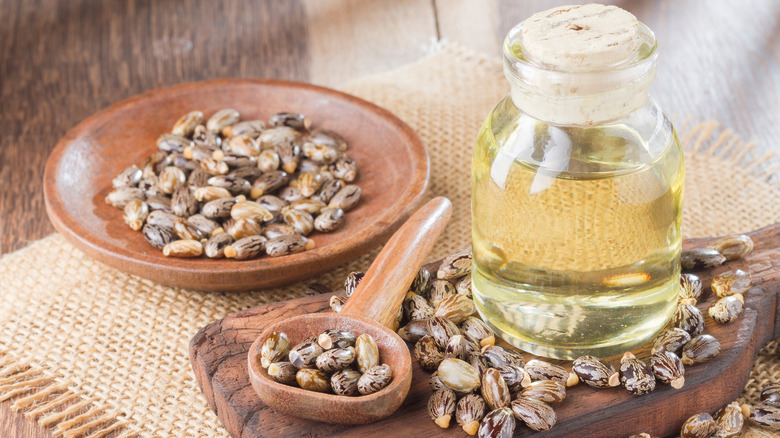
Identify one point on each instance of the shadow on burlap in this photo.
(87, 349)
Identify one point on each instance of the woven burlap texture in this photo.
(87, 349)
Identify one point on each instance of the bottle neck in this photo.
(579, 97)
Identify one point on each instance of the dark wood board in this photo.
(218, 355)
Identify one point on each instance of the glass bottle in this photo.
(577, 184)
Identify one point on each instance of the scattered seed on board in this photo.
(427, 353)
(479, 330)
(690, 286)
(688, 317)
(455, 265)
(541, 370)
(548, 391)
(701, 258)
(456, 347)
(536, 414)
(458, 375)
(457, 308)
(439, 290)
(442, 329)
(499, 423)
(595, 372)
(668, 368)
(469, 412)
(441, 407)
(731, 282)
(463, 286)
(516, 378)
(672, 340)
(635, 375)
(727, 309)
(698, 426)
(494, 389)
(734, 247)
(416, 307)
(497, 356)
(700, 349)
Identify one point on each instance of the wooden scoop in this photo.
(371, 309)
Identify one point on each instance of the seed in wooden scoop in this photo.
(293, 120)
(186, 231)
(770, 394)
(161, 218)
(479, 330)
(335, 359)
(159, 203)
(457, 308)
(250, 210)
(458, 375)
(158, 236)
(268, 182)
(671, 340)
(300, 220)
(729, 421)
(312, 380)
(494, 389)
(205, 225)
(427, 353)
(374, 379)
(536, 414)
(304, 355)
(222, 119)
(698, 426)
(636, 376)
(247, 248)
(367, 352)
(218, 209)
(270, 138)
(541, 370)
(274, 349)
(469, 411)
(172, 143)
(700, 349)
(727, 309)
(337, 302)
(499, 423)
(548, 391)
(668, 368)
(135, 213)
(283, 372)
(765, 415)
(441, 406)
(252, 127)
(701, 258)
(336, 338)
(416, 307)
(731, 282)
(345, 382)
(319, 153)
(183, 248)
(455, 265)
(210, 193)
(734, 247)
(442, 329)
(688, 317)
(185, 126)
(690, 286)
(439, 290)
(171, 179)
(329, 220)
(595, 372)
(203, 137)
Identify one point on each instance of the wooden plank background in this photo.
(61, 61)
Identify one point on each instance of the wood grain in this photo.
(218, 349)
(62, 61)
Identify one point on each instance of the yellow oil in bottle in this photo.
(576, 233)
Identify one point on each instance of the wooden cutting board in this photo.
(218, 354)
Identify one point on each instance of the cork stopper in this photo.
(588, 37)
(580, 65)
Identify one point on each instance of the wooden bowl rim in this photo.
(387, 221)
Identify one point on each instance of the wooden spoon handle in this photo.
(382, 290)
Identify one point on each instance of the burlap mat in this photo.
(88, 350)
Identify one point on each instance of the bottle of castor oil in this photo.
(577, 185)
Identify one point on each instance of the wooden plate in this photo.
(393, 176)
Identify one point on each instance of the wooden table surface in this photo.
(61, 61)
